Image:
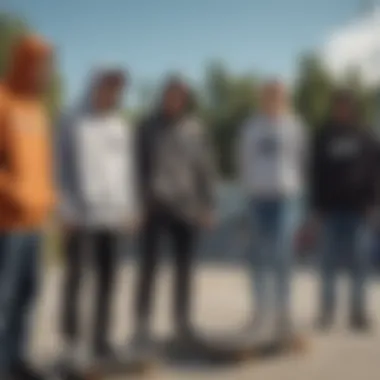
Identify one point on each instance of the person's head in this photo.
(30, 67)
(107, 90)
(273, 97)
(176, 98)
(344, 108)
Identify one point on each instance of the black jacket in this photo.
(344, 173)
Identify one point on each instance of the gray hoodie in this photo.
(272, 157)
(96, 166)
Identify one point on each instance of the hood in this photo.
(27, 54)
(95, 81)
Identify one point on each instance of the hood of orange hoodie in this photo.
(27, 56)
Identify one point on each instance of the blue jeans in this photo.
(19, 263)
(345, 242)
(273, 224)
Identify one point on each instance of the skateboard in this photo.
(234, 349)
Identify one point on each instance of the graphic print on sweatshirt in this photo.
(344, 148)
(268, 146)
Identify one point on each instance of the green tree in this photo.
(313, 90)
(227, 101)
(365, 96)
(54, 97)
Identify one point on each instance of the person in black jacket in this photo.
(344, 167)
(176, 178)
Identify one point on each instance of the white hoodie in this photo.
(96, 169)
(272, 157)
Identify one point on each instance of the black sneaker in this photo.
(360, 323)
(23, 371)
(184, 334)
(103, 350)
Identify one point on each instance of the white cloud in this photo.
(357, 45)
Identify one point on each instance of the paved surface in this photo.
(222, 302)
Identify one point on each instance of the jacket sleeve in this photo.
(373, 191)
(8, 159)
(242, 148)
(303, 145)
(142, 153)
(134, 201)
(206, 169)
(5, 153)
(314, 174)
(67, 208)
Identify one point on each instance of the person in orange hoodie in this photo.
(26, 196)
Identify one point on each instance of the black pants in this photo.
(182, 236)
(102, 249)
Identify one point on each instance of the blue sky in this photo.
(152, 37)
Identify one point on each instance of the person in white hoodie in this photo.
(98, 199)
(272, 149)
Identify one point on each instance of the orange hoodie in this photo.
(26, 177)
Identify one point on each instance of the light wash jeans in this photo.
(18, 281)
(346, 241)
(273, 224)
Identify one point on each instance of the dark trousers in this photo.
(101, 247)
(19, 264)
(346, 240)
(182, 236)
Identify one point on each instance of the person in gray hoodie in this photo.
(98, 199)
(272, 164)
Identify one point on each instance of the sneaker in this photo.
(184, 334)
(141, 344)
(24, 371)
(103, 350)
(360, 323)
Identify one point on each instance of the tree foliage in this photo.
(226, 102)
(313, 90)
(227, 99)
(314, 87)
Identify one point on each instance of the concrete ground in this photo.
(222, 302)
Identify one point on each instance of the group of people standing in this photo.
(333, 175)
(106, 178)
